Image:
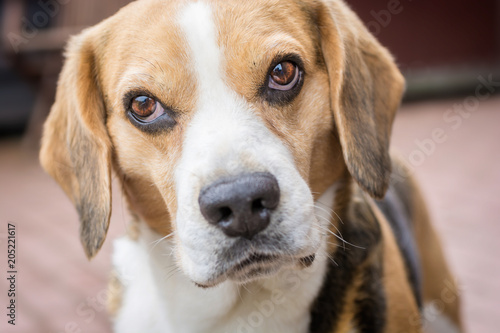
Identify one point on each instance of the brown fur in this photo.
(337, 127)
(115, 292)
(403, 314)
(438, 283)
(76, 148)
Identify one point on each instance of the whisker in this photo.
(172, 272)
(331, 259)
(333, 225)
(156, 242)
(329, 221)
(328, 256)
(329, 211)
(340, 238)
(324, 209)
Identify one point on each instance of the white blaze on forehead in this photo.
(218, 107)
(226, 137)
(222, 120)
(196, 21)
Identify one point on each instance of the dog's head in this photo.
(224, 121)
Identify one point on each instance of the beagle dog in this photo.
(251, 141)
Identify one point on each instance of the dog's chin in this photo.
(257, 266)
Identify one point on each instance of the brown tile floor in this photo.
(59, 291)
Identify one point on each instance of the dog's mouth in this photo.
(253, 266)
(257, 265)
(244, 261)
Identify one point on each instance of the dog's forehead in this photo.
(244, 23)
(248, 29)
(154, 40)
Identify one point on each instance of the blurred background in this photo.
(448, 130)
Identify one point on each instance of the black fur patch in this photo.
(328, 306)
(398, 216)
(370, 304)
(360, 228)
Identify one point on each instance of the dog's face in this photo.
(224, 121)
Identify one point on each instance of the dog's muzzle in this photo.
(240, 206)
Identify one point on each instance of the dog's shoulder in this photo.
(357, 291)
(397, 207)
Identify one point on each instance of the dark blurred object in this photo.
(34, 34)
(441, 46)
(16, 100)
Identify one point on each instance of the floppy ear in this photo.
(76, 149)
(366, 88)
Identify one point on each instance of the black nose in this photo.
(242, 205)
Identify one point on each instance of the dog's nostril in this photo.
(225, 213)
(257, 205)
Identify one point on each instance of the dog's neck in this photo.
(155, 288)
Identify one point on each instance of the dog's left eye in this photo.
(284, 80)
(146, 109)
(284, 76)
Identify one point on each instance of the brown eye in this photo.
(143, 106)
(284, 76)
(146, 109)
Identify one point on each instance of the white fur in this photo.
(224, 138)
(227, 138)
(159, 298)
(436, 322)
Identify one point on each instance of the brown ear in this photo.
(76, 149)
(366, 89)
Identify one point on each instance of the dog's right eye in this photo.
(146, 109)
(148, 114)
